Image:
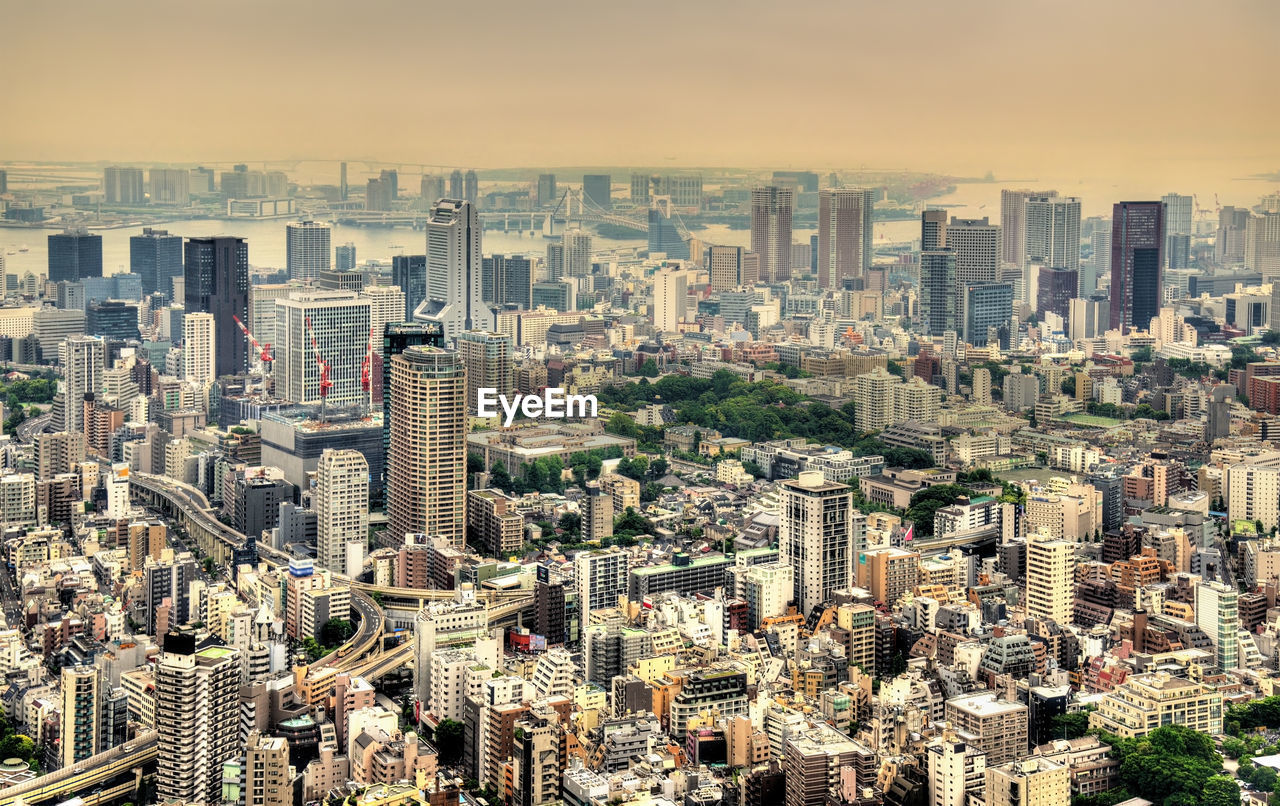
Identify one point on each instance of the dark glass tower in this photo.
(74, 255)
(217, 282)
(1137, 255)
(156, 256)
(410, 273)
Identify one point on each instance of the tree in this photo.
(335, 632)
(1169, 760)
(475, 463)
(622, 425)
(448, 741)
(500, 478)
(631, 523)
(1220, 790)
(658, 468)
(649, 369)
(571, 523)
(1070, 726)
(313, 649)
(1264, 779)
(928, 501)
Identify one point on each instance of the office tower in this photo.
(171, 186)
(1050, 580)
(82, 695)
(975, 242)
(670, 299)
(396, 338)
(664, 237)
(1055, 289)
(598, 190)
(123, 186)
(199, 348)
(555, 261)
(1013, 222)
(83, 360)
(377, 196)
(507, 281)
(1101, 263)
(307, 249)
(601, 578)
(1036, 781)
(470, 187)
(731, 267)
(1053, 231)
(641, 189)
(344, 257)
(1177, 214)
(819, 537)
(938, 291)
(577, 253)
(338, 323)
(486, 358)
(1262, 246)
(546, 190)
(112, 320)
(844, 235)
(933, 230)
(986, 306)
(341, 502)
(74, 255)
(197, 717)
(409, 272)
(1230, 239)
(955, 770)
(216, 277)
(428, 456)
(1218, 615)
(156, 257)
(392, 179)
(456, 189)
(343, 189)
(266, 771)
(771, 210)
(1137, 241)
(433, 188)
(454, 288)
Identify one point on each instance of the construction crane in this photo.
(265, 356)
(366, 371)
(325, 383)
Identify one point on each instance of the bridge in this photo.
(81, 779)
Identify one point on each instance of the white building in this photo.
(820, 535)
(455, 296)
(199, 346)
(1050, 579)
(341, 502)
(1253, 493)
(670, 299)
(307, 250)
(1218, 614)
(339, 321)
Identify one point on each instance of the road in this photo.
(83, 777)
(27, 430)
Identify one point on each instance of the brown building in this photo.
(493, 526)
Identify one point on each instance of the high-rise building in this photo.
(982, 386)
(771, 211)
(1229, 243)
(428, 458)
(597, 516)
(82, 695)
(598, 190)
(845, 235)
(83, 360)
(338, 322)
(1177, 213)
(471, 187)
(1050, 578)
(1218, 616)
(199, 348)
(821, 760)
(1137, 244)
(731, 267)
(641, 189)
(507, 280)
(976, 244)
(670, 299)
(601, 577)
(307, 249)
(378, 196)
(986, 306)
(1262, 246)
(493, 524)
(409, 272)
(956, 769)
(1013, 222)
(820, 536)
(216, 281)
(1053, 231)
(933, 230)
(171, 186)
(456, 188)
(386, 305)
(266, 771)
(396, 338)
(1055, 289)
(487, 359)
(664, 237)
(915, 400)
(156, 256)
(341, 502)
(547, 193)
(344, 257)
(123, 186)
(1036, 781)
(455, 296)
(197, 717)
(873, 403)
(74, 255)
(577, 253)
(555, 260)
(938, 291)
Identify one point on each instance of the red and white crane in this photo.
(366, 370)
(265, 355)
(325, 383)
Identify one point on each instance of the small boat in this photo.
(23, 248)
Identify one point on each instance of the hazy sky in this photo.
(1028, 87)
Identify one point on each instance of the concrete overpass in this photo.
(95, 771)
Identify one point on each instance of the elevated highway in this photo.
(83, 778)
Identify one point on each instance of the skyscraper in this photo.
(74, 255)
(428, 457)
(83, 360)
(1013, 222)
(1177, 213)
(456, 189)
(975, 242)
(216, 281)
(1050, 581)
(546, 190)
(598, 190)
(938, 291)
(82, 695)
(454, 288)
(396, 338)
(1218, 615)
(1053, 231)
(844, 235)
(933, 230)
(771, 210)
(410, 273)
(123, 186)
(345, 257)
(156, 256)
(341, 502)
(487, 360)
(577, 253)
(1056, 287)
(266, 771)
(171, 186)
(670, 299)
(731, 267)
(199, 348)
(664, 237)
(470, 187)
(507, 280)
(197, 717)
(986, 306)
(601, 577)
(339, 321)
(1137, 243)
(819, 536)
(307, 249)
